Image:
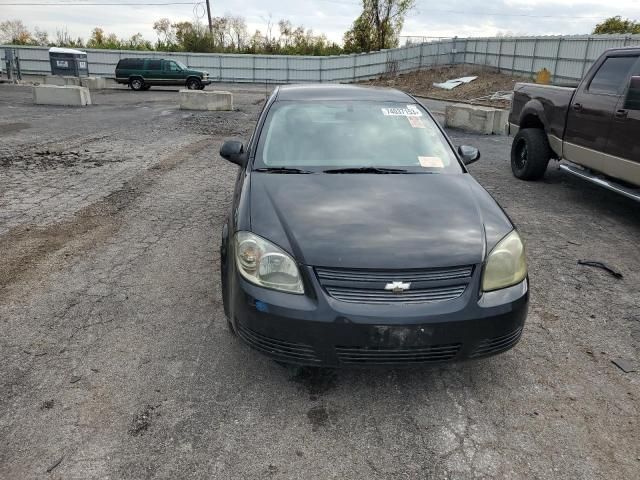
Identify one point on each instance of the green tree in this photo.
(617, 25)
(378, 26)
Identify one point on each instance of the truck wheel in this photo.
(194, 84)
(530, 154)
(136, 84)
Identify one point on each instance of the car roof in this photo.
(340, 92)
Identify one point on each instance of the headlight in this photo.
(506, 264)
(261, 262)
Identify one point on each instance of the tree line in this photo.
(377, 27)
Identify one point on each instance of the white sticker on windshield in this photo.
(408, 111)
(431, 162)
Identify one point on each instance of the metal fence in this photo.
(567, 58)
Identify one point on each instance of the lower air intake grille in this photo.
(495, 345)
(393, 356)
(277, 348)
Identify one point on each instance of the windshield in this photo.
(181, 65)
(334, 135)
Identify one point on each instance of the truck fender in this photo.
(533, 116)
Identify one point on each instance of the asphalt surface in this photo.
(116, 361)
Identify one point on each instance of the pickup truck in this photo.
(594, 129)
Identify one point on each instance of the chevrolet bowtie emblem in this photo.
(397, 287)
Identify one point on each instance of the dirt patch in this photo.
(142, 420)
(70, 153)
(217, 124)
(7, 128)
(25, 248)
(421, 83)
(316, 380)
(318, 417)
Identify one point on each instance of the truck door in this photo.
(153, 73)
(589, 120)
(172, 72)
(623, 141)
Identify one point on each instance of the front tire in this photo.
(194, 84)
(530, 154)
(136, 84)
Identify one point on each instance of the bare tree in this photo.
(14, 31)
(238, 29)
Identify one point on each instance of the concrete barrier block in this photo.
(501, 122)
(94, 83)
(59, 95)
(472, 118)
(61, 80)
(205, 100)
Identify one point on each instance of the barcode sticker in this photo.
(408, 111)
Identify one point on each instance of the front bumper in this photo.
(205, 81)
(316, 329)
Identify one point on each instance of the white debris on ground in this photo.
(453, 83)
(499, 95)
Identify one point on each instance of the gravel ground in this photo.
(115, 360)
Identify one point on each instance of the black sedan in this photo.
(357, 236)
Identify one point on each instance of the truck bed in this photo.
(550, 107)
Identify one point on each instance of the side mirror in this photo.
(233, 150)
(468, 154)
(632, 102)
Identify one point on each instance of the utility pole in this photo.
(209, 16)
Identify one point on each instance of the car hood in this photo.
(383, 221)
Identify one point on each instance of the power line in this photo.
(159, 3)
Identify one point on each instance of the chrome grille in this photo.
(368, 286)
(383, 296)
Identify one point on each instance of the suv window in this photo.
(130, 63)
(154, 64)
(613, 75)
(172, 66)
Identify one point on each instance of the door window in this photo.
(172, 67)
(613, 76)
(153, 65)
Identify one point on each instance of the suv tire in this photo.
(530, 154)
(136, 84)
(194, 84)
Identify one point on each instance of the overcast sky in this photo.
(430, 18)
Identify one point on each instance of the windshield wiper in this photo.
(280, 170)
(366, 170)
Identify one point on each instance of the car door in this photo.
(153, 73)
(623, 144)
(589, 121)
(172, 72)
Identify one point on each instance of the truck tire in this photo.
(136, 83)
(530, 154)
(194, 84)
